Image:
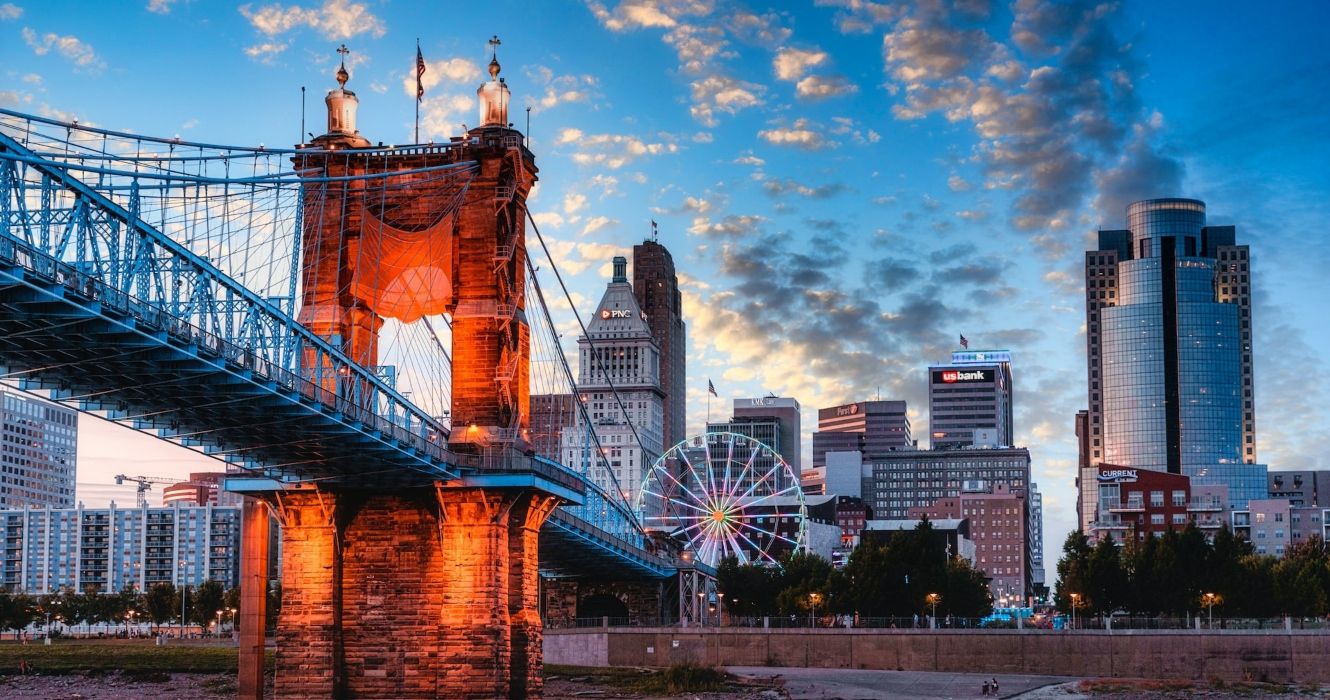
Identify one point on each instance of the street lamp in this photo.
(217, 628)
(1075, 600)
(933, 599)
(813, 600)
(183, 590)
(701, 610)
(1209, 600)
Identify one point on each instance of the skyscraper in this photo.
(38, 452)
(784, 411)
(1168, 336)
(656, 288)
(619, 378)
(872, 427)
(972, 393)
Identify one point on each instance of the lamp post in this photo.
(1075, 600)
(183, 590)
(701, 610)
(813, 600)
(1209, 599)
(933, 599)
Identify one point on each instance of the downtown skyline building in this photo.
(656, 289)
(617, 356)
(1169, 353)
(107, 550)
(969, 397)
(38, 452)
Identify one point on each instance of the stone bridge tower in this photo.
(411, 591)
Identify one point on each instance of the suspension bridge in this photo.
(356, 330)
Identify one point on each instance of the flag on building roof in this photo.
(711, 388)
(965, 343)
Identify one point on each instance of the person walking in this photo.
(995, 686)
(985, 687)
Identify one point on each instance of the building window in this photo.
(1157, 499)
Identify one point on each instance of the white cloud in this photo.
(574, 202)
(32, 79)
(791, 64)
(161, 7)
(10, 11)
(443, 116)
(453, 70)
(597, 223)
(266, 52)
(337, 19)
(818, 87)
(72, 48)
(801, 134)
(956, 183)
(551, 219)
(638, 14)
(611, 150)
(719, 92)
(749, 159)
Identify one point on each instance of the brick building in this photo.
(999, 526)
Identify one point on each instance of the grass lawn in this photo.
(131, 657)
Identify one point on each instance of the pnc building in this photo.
(619, 355)
(1169, 350)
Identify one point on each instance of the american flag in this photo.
(420, 71)
(711, 388)
(965, 343)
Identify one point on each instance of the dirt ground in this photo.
(207, 686)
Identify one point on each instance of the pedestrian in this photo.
(995, 686)
(23, 667)
(985, 687)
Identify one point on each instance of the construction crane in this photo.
(145, 484)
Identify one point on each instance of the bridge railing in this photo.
(154, 318)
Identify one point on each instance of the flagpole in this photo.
(417, 90)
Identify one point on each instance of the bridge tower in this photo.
(404, 590)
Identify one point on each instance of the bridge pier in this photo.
(414, 593)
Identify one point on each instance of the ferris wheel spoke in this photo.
(768, 533)
(758, 483)
(748, 466)
(729, 459)
(772, 495)
(685, 490)
(756, 548)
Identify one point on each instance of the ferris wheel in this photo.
(725, 494)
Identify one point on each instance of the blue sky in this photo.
(846, 186)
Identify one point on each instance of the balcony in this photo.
(1204, 505)
(1210, 523)
(1116, 505)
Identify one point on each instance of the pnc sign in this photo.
(1117, 476)
(616, 313)
(952, 376)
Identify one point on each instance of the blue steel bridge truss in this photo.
(106, 312)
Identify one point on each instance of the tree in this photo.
(1073, 570)
(17, 610)
(1302, 579)
(966, 593)
(803, 583)
(208, 597)
(162, 602)
(1106, 579)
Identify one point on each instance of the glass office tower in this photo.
(1168, 333)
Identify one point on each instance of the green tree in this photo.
(1073, 570)
(1106, 579)
(966, 593)
(1302, 579)
(162, 602)
(803, 583)
(207, 598)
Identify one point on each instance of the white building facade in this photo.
(111, 549)
(618, 355)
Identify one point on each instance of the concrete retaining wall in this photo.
(1231, 656)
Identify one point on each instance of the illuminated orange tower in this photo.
(411, 591)
(395, 247)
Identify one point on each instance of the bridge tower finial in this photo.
(494, 95)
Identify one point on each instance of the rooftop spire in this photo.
(494, 57)
(342, 75)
